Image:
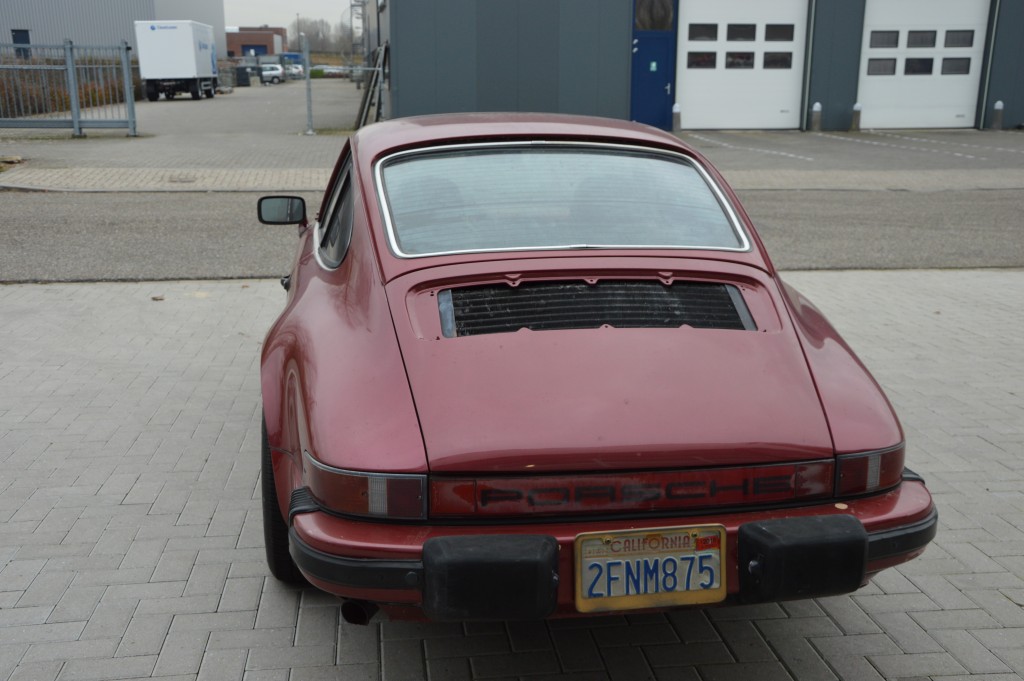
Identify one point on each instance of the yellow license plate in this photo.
(656, 568)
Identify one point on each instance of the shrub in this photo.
(37, 93)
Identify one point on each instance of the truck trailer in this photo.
(176, 57)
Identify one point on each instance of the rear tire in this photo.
(193, 89)
(275, 530)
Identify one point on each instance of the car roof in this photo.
(376, 141)
(389, 136)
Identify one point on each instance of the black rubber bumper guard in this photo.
(779, 560)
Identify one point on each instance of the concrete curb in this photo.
(95, 179)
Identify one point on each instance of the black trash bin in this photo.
(242, 76)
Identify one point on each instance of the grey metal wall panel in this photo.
(497, 48)
(442, 76)
(579, 77)
(457, 59)
(509, 55)
(594, 62)
(615, 36)
(538, 49)
(414, 81)
(837, 32)
(86, 22)
(1006, 70)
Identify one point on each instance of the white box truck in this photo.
(176, 57)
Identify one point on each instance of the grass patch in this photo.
(334, 132)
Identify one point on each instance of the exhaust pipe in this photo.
(358, 612)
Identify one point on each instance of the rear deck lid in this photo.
(629, 375)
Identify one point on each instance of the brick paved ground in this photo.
(130, 531)
(131, 542)
(249, 140)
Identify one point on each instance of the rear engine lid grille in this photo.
(560, 305)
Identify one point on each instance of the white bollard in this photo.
(997, 116)
(816, 117)
(855, 123)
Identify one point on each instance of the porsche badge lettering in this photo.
(708, 490)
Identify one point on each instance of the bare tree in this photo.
(345, 36)
(322, 36)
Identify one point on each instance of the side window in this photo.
(336, 229)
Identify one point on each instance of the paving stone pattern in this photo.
(131, 538)
(250, 140)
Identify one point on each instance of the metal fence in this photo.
(66, 86)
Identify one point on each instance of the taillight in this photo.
(868, 472)
(372, 495)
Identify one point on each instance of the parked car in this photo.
(294, 71)
(328, 71)
(271, 73)
(534, 366)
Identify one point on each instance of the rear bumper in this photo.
(907, 539)
(396, 564)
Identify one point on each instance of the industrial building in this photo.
(257, 41)
(99, 22)
(727, 64)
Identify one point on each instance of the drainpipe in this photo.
(811, 13)
(988, 62)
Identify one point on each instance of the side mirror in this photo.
(282, 210)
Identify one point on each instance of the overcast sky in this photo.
(279, 13)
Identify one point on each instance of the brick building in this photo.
(257, 40)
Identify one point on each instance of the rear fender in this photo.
(859, 415)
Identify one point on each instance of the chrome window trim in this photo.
(723, 201)
(316, 248)
(328, 211)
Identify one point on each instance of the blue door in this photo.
(654, 62)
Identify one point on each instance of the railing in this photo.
(371, 109)
(66, 86)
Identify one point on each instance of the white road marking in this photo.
(875, 143)
(772, 152)
(954, 144)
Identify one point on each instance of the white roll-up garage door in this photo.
(741, 63)
(921, 63)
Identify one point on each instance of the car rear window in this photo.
(529, 197)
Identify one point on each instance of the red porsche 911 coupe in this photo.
(536, 365)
